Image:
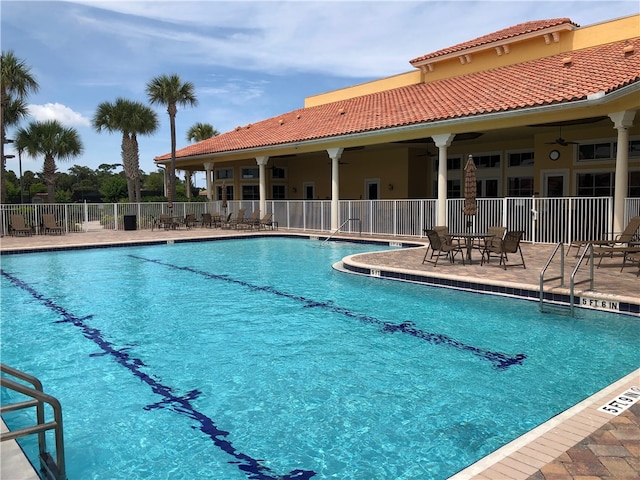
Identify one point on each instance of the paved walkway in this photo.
(582, 443)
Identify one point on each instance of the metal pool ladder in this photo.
(50, 469)
(572, 280)
(343, 224)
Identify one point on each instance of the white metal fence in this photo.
(544, 220)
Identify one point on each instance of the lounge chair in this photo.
(614, 250)
(509, 244)
(632, 258)
(234, 222)
(18, 226)
(625, 238)
(266, 221)
(51, 225)
(439, 246)
(252, 221)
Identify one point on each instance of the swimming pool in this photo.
(254, 359)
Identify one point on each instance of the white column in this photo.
(335, 154)
(262, 163)
(208, 167)
(442, 141)
(621, 122)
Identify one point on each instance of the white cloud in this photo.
(347, 38)
(56, 111)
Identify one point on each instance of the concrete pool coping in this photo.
(556, 435)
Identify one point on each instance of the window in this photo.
(487, 187)
(250, 192)
(588, 152)
(634, 148)
(453, 163)
(278, 192)
(278, 173)
(250, 173)
(224, 173)
(487, 161)
(595, 184)
(634, 184)
(454, 189)
(520, 187)
(521, 159)
(229, 192)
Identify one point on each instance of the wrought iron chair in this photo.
(442, 246)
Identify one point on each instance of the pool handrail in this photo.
(53, 470)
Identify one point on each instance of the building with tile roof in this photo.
(545, 108)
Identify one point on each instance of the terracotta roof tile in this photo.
(511, 32)
(540, 82)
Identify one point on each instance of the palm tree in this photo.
(170, 91)
(130, 118)
(201, 131)
(52, 140)
(16, 82)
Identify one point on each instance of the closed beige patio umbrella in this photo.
(224, 197)
(470, 190)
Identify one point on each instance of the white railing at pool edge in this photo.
(544, 220)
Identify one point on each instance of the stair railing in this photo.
(51, 470)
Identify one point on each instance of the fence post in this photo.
(86, 217)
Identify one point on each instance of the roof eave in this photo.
(597, 98)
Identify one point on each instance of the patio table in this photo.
(468, 238)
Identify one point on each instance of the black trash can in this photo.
(129, 222)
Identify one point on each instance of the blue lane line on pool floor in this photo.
(501, 361)
(252, 467)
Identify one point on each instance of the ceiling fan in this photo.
(561, 141)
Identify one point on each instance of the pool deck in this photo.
(582, 443)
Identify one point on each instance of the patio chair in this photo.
(190, 220)
(494, 237)
(625, 238)
(164, 221)
(51, 225)
(207, 219)
(440, 246)
(18, 226)
(509, 244)
(443, 233)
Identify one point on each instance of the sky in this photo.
(248, 60)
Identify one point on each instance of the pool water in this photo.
(254, 359)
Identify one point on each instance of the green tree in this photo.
(170, 91)
(113, 189)
(16, 83)
(201, 131)
(52, 140)
(132, 119)
(84, 182)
